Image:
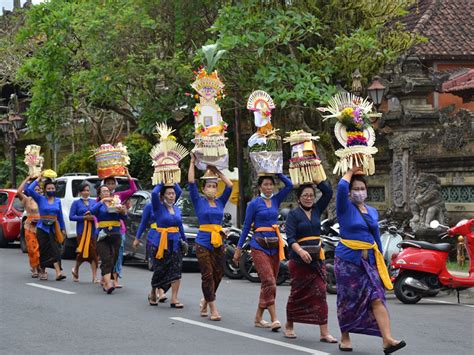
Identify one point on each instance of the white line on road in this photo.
(446, 302)
(250, 336)
(51, 289)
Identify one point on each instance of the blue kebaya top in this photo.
(262, 216)
(164, 219)
(77, 212)
(46, 209)
(207, 214)
(147, 219)
(100, 211)
(298, 225)
(353, 226)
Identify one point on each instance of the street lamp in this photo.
(376, 91)
(9, 128)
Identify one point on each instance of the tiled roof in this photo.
(448, 26)
(460, 82)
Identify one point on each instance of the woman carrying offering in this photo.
(148, 221)
(165, 243)
(360, 270)
(50, 227)
(80, 212)
(307, 300)
(109, 238)
(32, 217)
(267, 245)
(209, 246)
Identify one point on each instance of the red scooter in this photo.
(419, 270)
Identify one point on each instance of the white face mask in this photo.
(262, 195)
(167, 203)
(358, 196)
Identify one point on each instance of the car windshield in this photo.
(123, 185)
(186, 206)
(3, 199)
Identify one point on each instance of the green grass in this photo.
(452, 265)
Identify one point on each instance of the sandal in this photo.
(109, 290)
(163, 299)
(344, 349)
(262, 324)
(152, 303)
(215, 318)
(392, 348)
(203, 308)
(96, 281)
(75, 275)
(34, 275)
(44, 276)
(289, 333)
(177, 305)
(276, 325)
(60, 277)
(328, 339)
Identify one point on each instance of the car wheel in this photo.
(3, 241)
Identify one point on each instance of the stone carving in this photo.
(428, 204)
(456, 129)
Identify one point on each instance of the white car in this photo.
(67, 189)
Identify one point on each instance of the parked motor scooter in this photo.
(231, 239)
(330, 238)
(420, 269)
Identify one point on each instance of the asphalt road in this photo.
(87, 321)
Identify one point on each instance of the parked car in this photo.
(11, 211)
(190, 225)
(67, 189)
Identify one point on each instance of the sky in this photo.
(8, 4)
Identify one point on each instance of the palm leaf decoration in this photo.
(212, 55)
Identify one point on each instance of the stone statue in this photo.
(428, 204)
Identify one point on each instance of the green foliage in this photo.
(140, 161)
(6, 172)
(79, 162)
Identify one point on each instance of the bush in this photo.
(79, 162)
(140, 161)
(6, 172)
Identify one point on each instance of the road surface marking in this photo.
(453, 303)
(51, 288)
(250, 336)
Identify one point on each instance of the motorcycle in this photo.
(420, 268)
(391, 237)
(231, 239)
(330, 238)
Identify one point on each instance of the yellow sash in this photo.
(85, 240)
(163, 239)
(281, 245)
(382, 269)
(215, 230)
(109, 224)
(57, 229)
(322, 256)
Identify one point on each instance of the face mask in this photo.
(359, 196)
(306, 208)
(168, 204)
(50, 193)
(262, 195)
(210, 194)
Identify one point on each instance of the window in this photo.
(376, 194)
(458, 194)
(141, 203)
(186, 206)
(132, 203)
(61, 188)
(18, 205)
(76, 185)
(3, 199)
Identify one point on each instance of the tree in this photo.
(126, 61)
